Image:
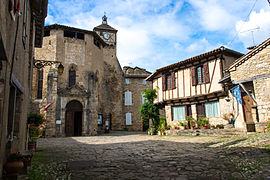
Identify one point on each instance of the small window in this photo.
(80, 36)
(128, 98)
(168, 82)
(99, 119)
(200, 75)
(179, 113)
(128, 119)
(69, 34)
(127, 81)
(212, 109)
(144, 82)
(72, 77)
(47, 33)
(143, 98)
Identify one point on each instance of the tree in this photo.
(148, 110)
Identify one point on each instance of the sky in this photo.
(156, 33)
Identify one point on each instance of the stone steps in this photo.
(216, 132)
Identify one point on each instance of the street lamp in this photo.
(39, 64)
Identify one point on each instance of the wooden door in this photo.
(200, 110)
(247, 104)
(69, 123)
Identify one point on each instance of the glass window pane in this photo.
(212, 109)
(199, 75)
(179, 113)
(127, 81)
(128, 119)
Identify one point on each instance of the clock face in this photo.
(106, 36)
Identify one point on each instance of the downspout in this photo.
(88, 106)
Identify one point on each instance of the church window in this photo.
(39, 83)
(72, 77)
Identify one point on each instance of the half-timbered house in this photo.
(191, 87)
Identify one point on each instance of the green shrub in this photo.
(35, 119)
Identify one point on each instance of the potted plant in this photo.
(162, 126)
(182, 125)
(34, 133)
(212, 127)
(191, 122)
(35, 119)
(14, 163)
(203, 122)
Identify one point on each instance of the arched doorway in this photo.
(73, 123)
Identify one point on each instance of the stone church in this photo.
(89, 94)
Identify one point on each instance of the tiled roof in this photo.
(106, 27)
(196, 58)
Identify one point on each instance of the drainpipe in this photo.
(88, 105)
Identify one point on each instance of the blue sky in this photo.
(155, 33)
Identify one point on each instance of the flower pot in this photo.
(31, 146)
(14, 166)
(204, 127)
(182, 127)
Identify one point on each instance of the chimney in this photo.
(251, 48)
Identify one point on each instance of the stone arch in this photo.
(74, 118)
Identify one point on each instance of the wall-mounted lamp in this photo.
(39, 64)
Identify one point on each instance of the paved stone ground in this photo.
(126, 155)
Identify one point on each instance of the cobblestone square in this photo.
(127, 155)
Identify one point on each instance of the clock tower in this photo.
(106, 32)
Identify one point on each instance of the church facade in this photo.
(88, 95)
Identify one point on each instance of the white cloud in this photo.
(213, 16)
(258, 24)
(155, 33)
(199, 46)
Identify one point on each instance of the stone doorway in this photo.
(73, 121)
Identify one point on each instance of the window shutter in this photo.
(163, 82)
(173, 80)
(206, 72)
(193, 76)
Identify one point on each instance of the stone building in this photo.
(89, 94)
(135, 83)
(21, 28)
(191, 87)
(251, 73)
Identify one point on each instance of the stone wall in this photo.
(256, 65)
(136, 86)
